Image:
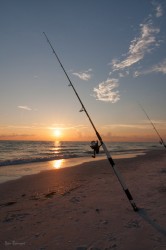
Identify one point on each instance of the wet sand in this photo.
(84, 207)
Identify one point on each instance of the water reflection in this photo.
(57, 143)
(58, 163)
(57, 147)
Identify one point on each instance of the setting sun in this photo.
(57, 132)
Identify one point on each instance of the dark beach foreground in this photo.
(84, 207)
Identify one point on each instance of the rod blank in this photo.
(161, 140)
(117, 173)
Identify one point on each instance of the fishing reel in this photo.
(95, 146)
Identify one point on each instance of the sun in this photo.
(57, 133)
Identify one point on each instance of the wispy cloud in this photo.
(161, 67)
(159, 10)
(67, 127)
(36, 76)
(14, 135)
(138, 47)
(144, 124)
(142, 44)
(158, 68)
(19, 127)
(124, 74)
(158, 122)
(25, 108)
(127, 126)
(84, 75)
(105, 91)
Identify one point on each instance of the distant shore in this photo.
(84, 207)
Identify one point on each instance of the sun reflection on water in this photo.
(58, 163)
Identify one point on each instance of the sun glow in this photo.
(57, 132)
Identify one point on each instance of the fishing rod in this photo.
(112, 163)
(161, 140)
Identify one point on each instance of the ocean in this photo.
(20, 158)
(21, 152)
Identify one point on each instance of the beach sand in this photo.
(84, 207)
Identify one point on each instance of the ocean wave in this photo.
(21, 152)
(35, 160)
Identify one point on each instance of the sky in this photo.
(114, 52)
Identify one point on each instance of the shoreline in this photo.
(14, 172)
(84, 207)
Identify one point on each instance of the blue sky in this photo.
(114, 52)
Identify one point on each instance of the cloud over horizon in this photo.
(105, 91)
